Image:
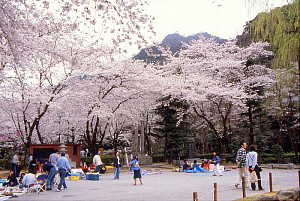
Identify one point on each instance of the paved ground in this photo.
(168, 186)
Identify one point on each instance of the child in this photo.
(134, 165)
(11, 180)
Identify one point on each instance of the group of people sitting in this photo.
(39, 174)
(25, 180)
(205, 165)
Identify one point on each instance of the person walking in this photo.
(253, 167)
(241, 165)
(63, 166)
(216, 160)
(117, 165)
(134, 165)
(53, 158)
(97, 162)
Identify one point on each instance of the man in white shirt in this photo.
(29, 179)
(97, 162)
(251, 162)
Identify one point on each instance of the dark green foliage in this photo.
(5, 163)
(278, 151)
(106, 159)
(173, 130)
(158, 158)
(115, 143)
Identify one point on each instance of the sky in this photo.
(222, 18)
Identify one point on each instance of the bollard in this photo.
(244, 187)
(270, 182)
(215, 192)
(195, 196)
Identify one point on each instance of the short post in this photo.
(244, 187)
(195, 196)
(270, 182)
(299, 177)
(215, 192)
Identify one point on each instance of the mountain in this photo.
(174, 42)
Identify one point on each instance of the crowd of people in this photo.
(59, 164)
(247, 165)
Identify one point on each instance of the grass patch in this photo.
(251, 198)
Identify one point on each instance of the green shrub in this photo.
(106, 159)
(277, 151)
(203, 156)
(158, 158)
(87, 160)
(5, 163)
(269, 160)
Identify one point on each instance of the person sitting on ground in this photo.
(21, 177)
(185, 165)
(195, 165)
(11, 179)
(29, 179)
(205, 164)
(97, 162)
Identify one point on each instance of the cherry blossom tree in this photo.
(45, 44)
(215, 79)
(123, 88)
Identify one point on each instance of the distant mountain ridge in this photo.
(174, 42)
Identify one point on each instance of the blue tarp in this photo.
(196, 170)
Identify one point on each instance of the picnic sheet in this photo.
(197, 170)
(149, 172)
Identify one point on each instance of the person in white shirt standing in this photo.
(97, 162)
(251, 160)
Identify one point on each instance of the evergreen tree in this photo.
(173, 127)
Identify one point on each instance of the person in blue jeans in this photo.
(53, 158)
(63, 166)
(117, 165)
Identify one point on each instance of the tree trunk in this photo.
(251, 125)
(38, 132)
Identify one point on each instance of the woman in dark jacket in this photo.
(117, 165)
(32, 165)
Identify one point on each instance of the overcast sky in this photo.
(223, 18)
